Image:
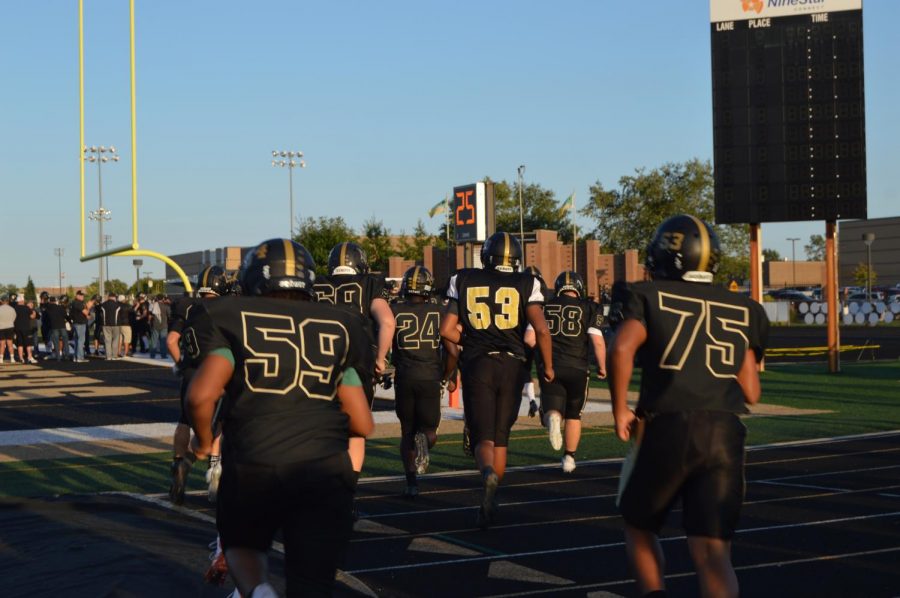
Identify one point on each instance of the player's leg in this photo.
(357, 445)
(427, 397)
(712, 561)
(404, 407)
(646, 558)
(576, 383)
(553, 401)
(182, 456)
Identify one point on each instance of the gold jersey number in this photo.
(478, 307)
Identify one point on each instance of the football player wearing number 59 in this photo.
(290, 370)
(699, 347)
(494, 305)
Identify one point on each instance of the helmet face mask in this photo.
(502, 253)
(417, 281)
(347, 258)
(684, 248)
(277, 265)
(569, 281)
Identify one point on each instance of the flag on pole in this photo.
(438, 208)
(568, 205)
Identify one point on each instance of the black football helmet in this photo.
(347, 258)
(533, 270)
(569, 281)
(501, 252)
(277, 265)
(417, 281)
(684, 248)
(212, 281)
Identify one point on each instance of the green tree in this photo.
(540, 210)
(771, 255)
(815, 249)
(861, 275)
(414, 249)
(112, 286)
(9, 289)
(626, 218)
(376, 242)
(320, 235)
(30, 292)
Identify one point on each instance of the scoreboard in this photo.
(788, 110)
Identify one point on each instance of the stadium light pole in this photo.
(287, 161)
(521, 170)
(100, 155)
(868, 239)
(149, 276)
(107, 239)
(137, 280)
(793, 241)
(58, 252)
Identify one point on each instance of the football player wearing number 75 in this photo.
(494, 305)
(699, 347)
(290, 370)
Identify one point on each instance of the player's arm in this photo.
(535, 314)
(599, 346)
(748, 378)
(630, 336)
(173, 344)
(529, 336)
(356, 406)
(451, 359)
(381, 312)
(207, 385)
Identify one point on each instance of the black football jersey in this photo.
(180, 313)
(491, 308)
(354, 291)
(416, 350)
(697, 336)
(570, 321)
(289, 359)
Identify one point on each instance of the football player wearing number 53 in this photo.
(290, 370)
(494, 305)
(699, 347)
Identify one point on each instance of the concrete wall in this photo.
(885, 249)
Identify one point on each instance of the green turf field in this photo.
(864, 397)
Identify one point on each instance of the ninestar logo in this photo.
(752, 5)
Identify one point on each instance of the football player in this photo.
(494, 304)
(350, 284)
(574, 324)
(699, 346)
(289, 369)
(527, 381)
(211, 283)
(420, 369)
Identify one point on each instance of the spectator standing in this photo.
(45, 320)
(7, 328)
(97, 322)
(126, 313)
(109, 317)
(78, 313)
(141, 324)
(25, 316)
(59, 339)
(159, 324)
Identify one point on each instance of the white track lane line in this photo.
(771, 564)
(517, 555)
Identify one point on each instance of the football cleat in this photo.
(217, 572)
(180, 469)
(568, 463)
(555, 431)
(532, 408)
(422, 458)
(213, 475)
(488, 501)
(411, 491)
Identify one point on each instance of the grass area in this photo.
(864, 397)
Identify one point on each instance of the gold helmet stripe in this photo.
(415, 277)
(704, 244)
(205, 281)
(506, 249)
(290, 258)
(343, 260)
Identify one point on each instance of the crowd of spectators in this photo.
(62, 328)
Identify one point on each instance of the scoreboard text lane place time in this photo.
(788, 111)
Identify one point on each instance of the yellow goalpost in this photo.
(132, 249)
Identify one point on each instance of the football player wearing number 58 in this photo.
(290, 369)
(699, 347)
(494, 304)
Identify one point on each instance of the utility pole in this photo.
(287, 161)
(58, 252)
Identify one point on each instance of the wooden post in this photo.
(756, 280)
(831, 293)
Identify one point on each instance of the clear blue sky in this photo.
(393, 104)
